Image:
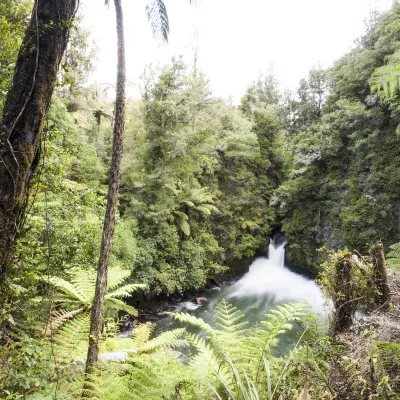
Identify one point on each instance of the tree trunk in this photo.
(343, 302)
(97, 314)
(23, 116)
(380, 274)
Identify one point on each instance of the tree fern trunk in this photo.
(380, 274)
(23, 116)
(343, 315)
(97, 314)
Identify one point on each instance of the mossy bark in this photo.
(380, 274)
(342, 302)
(24, 113)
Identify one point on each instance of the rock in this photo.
(201, 300)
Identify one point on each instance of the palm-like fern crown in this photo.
(69, 325)
(158, 18)
(386, 80)
(192, 197)
(78, 291)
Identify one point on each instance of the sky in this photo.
(236, 40)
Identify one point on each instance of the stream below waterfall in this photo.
(267, 283)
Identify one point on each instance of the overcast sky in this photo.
(236, 39)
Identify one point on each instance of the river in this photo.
(267, 283)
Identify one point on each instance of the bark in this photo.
(343, 302)
(97, 315)
(24, 113)
(380, 274)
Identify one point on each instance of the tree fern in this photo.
(386, 79)
(78, 291)
(69, 326)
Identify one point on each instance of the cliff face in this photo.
(343, 175)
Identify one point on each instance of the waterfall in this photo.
(268, 280)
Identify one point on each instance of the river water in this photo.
(267, 284)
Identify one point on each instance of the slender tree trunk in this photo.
(380, 274)
(23, 115)
(97, 315)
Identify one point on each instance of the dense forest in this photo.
(202, 186)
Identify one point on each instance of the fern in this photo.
(229, 318)
(231, 354)
(70, 343)
(78, 291)
(158, 18)
(69, 326)
(169, 339)
(184, 225)
(152, 372)
(393, 257)
(386, 79)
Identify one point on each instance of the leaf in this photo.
(203, 210)
(184, 225)
(181, 214)
(189, 203)
(158, 18)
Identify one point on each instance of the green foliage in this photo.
(388, 360)
(197, 180)
(69, 322)
(385, 79)
(361, 289)
(26, 365)
(393, 256)
(14, 18)
(230, 358)
(78, 290)
(341, 186)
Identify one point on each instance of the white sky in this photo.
(236, 38)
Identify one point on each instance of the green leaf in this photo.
(184, 225)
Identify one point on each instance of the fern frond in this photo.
(158, 18)
(181, 214)
(126, 290)
(69, 290)
(203, 210)
(116, 276)
(169, 339)
(142, 333)
(194, 321)
(58, 319)
(229, 318)
(386, 79)
(184, 225)
(71, 340)
(278, 321)
(119, 305)
(206, 362)
(210, 207)
(105, 383)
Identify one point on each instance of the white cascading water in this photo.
(269, 280)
